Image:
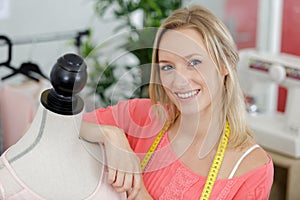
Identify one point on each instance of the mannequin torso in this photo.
(43, 165)
(50, 161)
(53, 162)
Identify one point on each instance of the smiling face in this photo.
(187, 73)
(193, 52)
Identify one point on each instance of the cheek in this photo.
(202, 78)
(168, 90)
(167, 79)
(209, 77)
(214, 87)
(171, 96)
(167, 83)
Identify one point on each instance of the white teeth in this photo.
(187, 95)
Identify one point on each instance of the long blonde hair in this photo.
(222, 50)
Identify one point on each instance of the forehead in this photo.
(182, 42)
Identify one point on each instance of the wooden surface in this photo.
(287, 177)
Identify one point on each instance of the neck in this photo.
(200, 130)
(201, 123)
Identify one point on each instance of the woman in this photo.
(191, 139)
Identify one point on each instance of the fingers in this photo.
(118, 184)
(128, 182)
(120, 181)
(125, 182)
(136, 187)
(111, 177)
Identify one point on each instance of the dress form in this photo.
(50, 158)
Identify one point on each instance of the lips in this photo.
(187, 95)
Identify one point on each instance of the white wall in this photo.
(30, 18)
(217, 7)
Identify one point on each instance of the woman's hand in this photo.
(142, 194)
(124, 172)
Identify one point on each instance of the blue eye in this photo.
(166, 67)
(194, 63)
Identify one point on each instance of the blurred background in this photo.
(115, 38)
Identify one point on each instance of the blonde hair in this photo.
(222, 50)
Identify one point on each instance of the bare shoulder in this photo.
(254, 159)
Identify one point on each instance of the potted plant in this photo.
(137, 41)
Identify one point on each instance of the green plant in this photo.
(138, 42)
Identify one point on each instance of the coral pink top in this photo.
(165, 176)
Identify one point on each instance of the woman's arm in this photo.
(124, 172)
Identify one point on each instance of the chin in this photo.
(194, 108)
(190, 109)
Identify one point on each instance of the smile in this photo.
(187, 95)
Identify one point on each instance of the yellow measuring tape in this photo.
(214, 169)
(154, 146)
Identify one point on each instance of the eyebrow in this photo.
(193, 54)
(163, 61)
(186, 57)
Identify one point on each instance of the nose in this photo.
(181, 79)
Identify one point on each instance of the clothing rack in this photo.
(48, 37)
(30, 69)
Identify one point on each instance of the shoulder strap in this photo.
(241, 159)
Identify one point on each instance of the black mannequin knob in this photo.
(68, 77)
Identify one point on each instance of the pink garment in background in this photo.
(18, 104)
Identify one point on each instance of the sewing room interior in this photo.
(35, 34)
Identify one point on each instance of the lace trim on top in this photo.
(179, 184)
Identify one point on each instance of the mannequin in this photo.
(50, 161)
